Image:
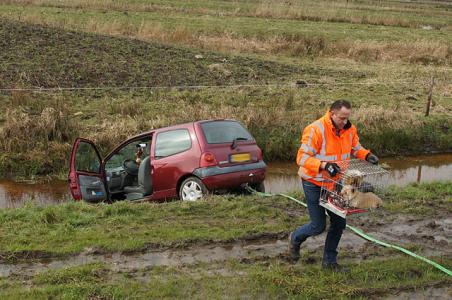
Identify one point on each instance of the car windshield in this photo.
(218, 132)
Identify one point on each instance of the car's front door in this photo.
(85, 175)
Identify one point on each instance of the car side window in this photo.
(172, 142)
(86, 158)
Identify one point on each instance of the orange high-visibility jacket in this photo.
(319, 142)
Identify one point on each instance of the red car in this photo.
(185, 161)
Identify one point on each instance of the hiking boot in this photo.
(335, 267)
(294, 249)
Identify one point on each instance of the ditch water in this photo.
(281, 177)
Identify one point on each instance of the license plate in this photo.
(241, 157)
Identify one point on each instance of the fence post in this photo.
(429, 97)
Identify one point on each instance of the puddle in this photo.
(281, 177)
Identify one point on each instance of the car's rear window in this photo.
(218, 132)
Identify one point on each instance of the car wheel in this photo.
(192, 189)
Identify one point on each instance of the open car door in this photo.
(85, 175)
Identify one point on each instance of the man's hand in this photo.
(332, 169)
(373, 159)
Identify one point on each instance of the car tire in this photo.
(192, 189)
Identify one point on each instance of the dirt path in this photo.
(433, 236)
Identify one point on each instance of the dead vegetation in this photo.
(375, 117)
(27, 125)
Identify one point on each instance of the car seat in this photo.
(144, 187)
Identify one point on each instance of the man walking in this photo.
(329, 139)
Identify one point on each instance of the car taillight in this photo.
(208, 160)
(260, 155)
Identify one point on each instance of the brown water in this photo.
(281, 177)
(16, 194)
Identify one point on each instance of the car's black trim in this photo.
(212, 171)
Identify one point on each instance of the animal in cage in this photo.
(353, 178)
(355, 198)
(355, 189)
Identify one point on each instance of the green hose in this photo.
(362, 234)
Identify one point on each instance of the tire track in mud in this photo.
(421, 294)
(434, 237)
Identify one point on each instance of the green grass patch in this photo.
(72, 227)
(368, 278)
(421, 199)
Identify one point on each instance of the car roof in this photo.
(177, 125)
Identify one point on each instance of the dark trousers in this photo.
(317, 224)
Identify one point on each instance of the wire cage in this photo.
(357, 188)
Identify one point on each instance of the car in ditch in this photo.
(184, 161)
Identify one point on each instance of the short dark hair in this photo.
(338, 104)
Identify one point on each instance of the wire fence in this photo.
(298, 84)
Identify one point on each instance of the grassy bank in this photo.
(275, 117)
(421, 199)
(232, 279)
(72, 227)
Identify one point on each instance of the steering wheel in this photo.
(131, 167)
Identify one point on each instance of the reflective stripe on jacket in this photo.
(319, 142)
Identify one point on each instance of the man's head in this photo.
(340, 113)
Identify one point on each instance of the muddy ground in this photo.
(426, 236)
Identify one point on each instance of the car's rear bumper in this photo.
(233, 176)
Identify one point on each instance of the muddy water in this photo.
(281, 177)
(16, 194)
